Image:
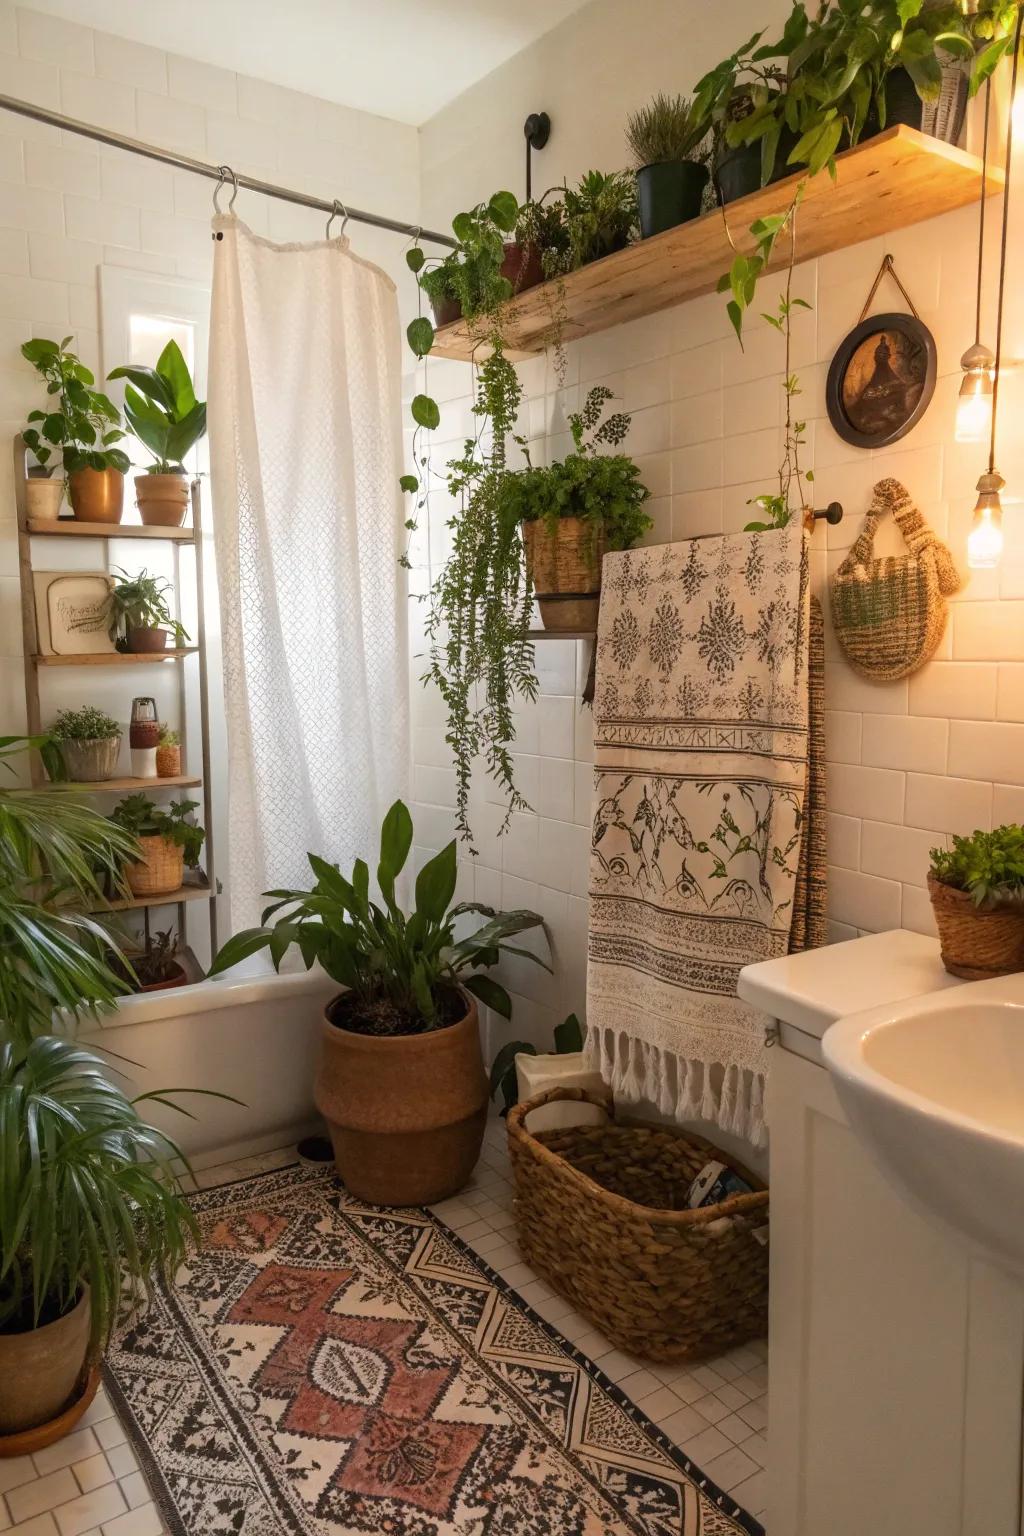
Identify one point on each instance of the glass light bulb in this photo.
(985, 540)
(973, 418)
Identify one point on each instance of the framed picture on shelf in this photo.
(72, 612)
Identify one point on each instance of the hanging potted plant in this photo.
(668, 142)
(84, 425)
(977, 894)
(165, 416)
(140, 620)
(168, 840)
(572, 512)
(400, 1081)
(89, 742)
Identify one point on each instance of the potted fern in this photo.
(167, 840)
(400, 1080)
(668, 139)
(977, 893)
(165, 416)
(89, 742)
(572, 512)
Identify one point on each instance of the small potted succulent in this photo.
(168, 841)
(572, 512)
(168, 754)
(89, 742)
(165, 416)
(669, 141)
(84, 424)
(977, 892)
(401, 1081)
(140, 620)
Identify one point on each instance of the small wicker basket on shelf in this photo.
(977, 942)
(161, 869)
(600, 1213)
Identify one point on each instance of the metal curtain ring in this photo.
(338, 211)
(223, 173)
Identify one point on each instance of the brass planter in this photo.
(97, 495)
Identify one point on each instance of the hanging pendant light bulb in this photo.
(974, 407)
(985, 540)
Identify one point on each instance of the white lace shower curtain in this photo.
(305, 447)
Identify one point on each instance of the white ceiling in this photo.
(404, 59)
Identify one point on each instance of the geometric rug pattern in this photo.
(329, 1368)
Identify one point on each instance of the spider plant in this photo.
(140, 602)
(90, 1193)
(57, 855)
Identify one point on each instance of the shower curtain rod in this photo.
(216, 172)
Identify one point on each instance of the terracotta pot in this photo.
(977, 942)
(565, 570)
(142, 638)
(522, 266)
(161, 869)
(162, 500)
(97, 495)
(179, 979)
(40, 1369)
(43, 499)
(406, 1113)
(90, 762)
(168, 762)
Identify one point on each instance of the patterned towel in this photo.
(701, 754)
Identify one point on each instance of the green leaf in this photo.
(148, 382)
(425, 412)
(395, 842)
(435, 884)
(172, 367)
(408, 483)
(504, 210)
(463, 226)
(414, 258)
(505, 1061)
(420, 334)
(569, 1035)
(490, 994)
(239, 947)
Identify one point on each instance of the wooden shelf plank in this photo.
(117, 786)
(114, 658)
(191, 892)
(71, 528)
(897, 178)
(561, 634)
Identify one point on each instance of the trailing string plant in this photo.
(481, 658)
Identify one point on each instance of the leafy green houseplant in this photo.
(669, 141)
(140, 619)
(401, 1080)
(600, 216)
(82, 425)
(987, 866)
(977, 893)
(568, 1040)
(161, 408)
(150, 963)
(169, 840)
(89, 741)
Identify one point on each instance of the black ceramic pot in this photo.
(738, 172)
(670, 193)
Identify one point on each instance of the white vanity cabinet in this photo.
(896, 1359)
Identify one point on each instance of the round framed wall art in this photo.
(881, 380)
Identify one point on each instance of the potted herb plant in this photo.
(90, 743)
(600, 216)
(668, 139)
(164, 414)
(140, 619)
(572, 512)
(168, 840)
(400, 1081)
(977, 894)
(84, 424)
(168, 754)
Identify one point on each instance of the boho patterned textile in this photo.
(809, 928)
(701, 746)
(328, 1368)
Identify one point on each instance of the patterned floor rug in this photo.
(329, 1368)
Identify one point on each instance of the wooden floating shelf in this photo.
(116, 786)
(71, 528)
(192, 892)
(114, 658)
(897, 178)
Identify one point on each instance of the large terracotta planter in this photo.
(97, 495)
(144, 638)
(565, 570)
(161, 868)
(406, 1113)
(162, 499)
(40, 1369)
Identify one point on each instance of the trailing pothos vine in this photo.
(481, 658)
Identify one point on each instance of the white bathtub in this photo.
(254, 1038)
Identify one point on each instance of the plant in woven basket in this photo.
(403, 970)
(988, 866)
(568, 1037)
(142, 817)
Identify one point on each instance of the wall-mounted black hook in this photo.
(832, 514)
(537, 131)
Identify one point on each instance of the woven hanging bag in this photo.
(889, 613)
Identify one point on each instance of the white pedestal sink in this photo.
(934, 1087)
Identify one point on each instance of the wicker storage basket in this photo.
(565, 569)
(976, 943)
(600, 1214)
(161, 869)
